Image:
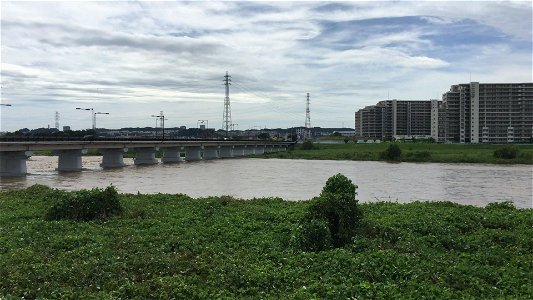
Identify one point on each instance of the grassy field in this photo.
(411, 152)
(165, 246)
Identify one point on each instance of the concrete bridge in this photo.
(13, 155)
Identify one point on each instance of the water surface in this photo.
(475, 184)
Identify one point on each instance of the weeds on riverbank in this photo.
(415, 152)
(166, 246)
(84, 205)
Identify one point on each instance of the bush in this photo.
(86, 205)
(332, 218)
(393, 152)
(314, 235)
(339, 184)
(308, 145)
(507, 152)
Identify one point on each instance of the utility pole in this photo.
(162, 119)
(226, 116)
(307, 134)
(92, 115)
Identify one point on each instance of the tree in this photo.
(264, 136)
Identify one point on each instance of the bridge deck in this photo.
(65, 145)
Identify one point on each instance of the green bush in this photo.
(339, 184)
(507, 152)
(308, 145)
(393, 152)
(314, 235)
(336, 209)
(86, 205)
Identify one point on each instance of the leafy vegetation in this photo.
(307, 145)
(84, 205)
(507, 152)
(410, 152)
(393, 152)
(173, 246)
(332, 218)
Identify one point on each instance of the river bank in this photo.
(168, 245)
(410, 152)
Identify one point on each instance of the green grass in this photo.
(167, 246)
(411, 152)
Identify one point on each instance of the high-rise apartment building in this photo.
(398, 119)
(488, 113)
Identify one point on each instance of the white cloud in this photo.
(136, 58)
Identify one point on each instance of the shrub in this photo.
(314, 235)
(307, 145)
(507, 152)
(339, 184)
(332, 218)
(393, 152)
(86, 205)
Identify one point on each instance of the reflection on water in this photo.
(474, 184)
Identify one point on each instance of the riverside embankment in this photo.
(410, 152)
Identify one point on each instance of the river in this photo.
(474, 184)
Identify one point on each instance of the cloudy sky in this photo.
(134, 59)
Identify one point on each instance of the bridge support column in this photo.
(226, 151)
(259, 149)
(13, 163)
(248, 150)
(268, 149)
(275, 148)
(238, 151)
(145, 156)
(171, 155)
(69, 160)
(112, 158)
(192, 153)
(210, 152)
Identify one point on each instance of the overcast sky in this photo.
(134, 59)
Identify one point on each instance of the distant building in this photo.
(488, 113)
(468, 113)
(66, 128)
(397, 119)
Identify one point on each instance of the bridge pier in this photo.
(226, 151)
(249, 150)
(112, 157)
(69, 160)
(210, 152)
(259, 149)
(145, 156)
(268, 149)
(193, 153)
(171, 155)
(13, 163)
(238, 151)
